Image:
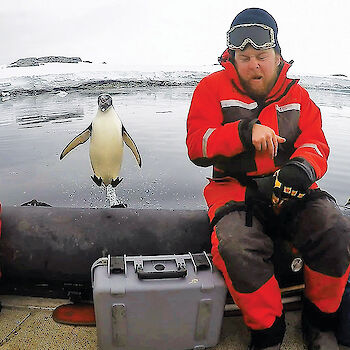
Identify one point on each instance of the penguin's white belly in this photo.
(106, 149)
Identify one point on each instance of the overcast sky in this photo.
(314, 33)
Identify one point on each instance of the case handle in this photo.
(142, 275)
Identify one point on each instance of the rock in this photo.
(25, 62)
(59, 59)
(4, 99)
(339, 75)
(37, 61)
(5, 96)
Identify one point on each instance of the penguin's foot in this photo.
(96, 180)
(116, 181)
(119, 205)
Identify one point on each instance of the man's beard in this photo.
(261, 92)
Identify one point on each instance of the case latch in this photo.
(117, 264)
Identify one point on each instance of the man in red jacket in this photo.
(263, 136)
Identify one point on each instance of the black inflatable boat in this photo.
(47, 251)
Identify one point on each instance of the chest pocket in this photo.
(234, 110)
(288, 125)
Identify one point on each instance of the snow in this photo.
(52, 76)
(63, 76)
(76, 68)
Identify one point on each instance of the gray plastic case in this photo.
(169, 302)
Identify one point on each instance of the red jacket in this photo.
(218, 122)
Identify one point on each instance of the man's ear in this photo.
(278, 60)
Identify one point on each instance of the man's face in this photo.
(257, 70)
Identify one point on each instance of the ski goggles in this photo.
(260, 36)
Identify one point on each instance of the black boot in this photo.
(318, 328)
(270, 338)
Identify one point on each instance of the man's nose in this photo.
(254, 63)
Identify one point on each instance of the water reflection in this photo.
(335, 99)
(39, 120)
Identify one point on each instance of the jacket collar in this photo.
(280, 87)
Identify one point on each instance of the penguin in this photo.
(107, 136)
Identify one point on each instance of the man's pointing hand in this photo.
(265, 139)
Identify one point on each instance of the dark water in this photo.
(35, 129)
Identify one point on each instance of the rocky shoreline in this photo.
(37, 61)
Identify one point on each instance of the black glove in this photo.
(292, 181)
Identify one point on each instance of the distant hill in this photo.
(37, 61)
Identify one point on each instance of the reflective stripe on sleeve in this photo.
(205, 141)
(312, 145)
(290, 107)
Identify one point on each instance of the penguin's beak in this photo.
(103, 109)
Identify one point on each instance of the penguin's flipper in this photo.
(78, 140)
(96, 180)
(131, 144)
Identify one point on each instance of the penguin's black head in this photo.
(104, 102)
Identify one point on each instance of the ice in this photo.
(62, 94)
(64, 76)
(61, 77)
